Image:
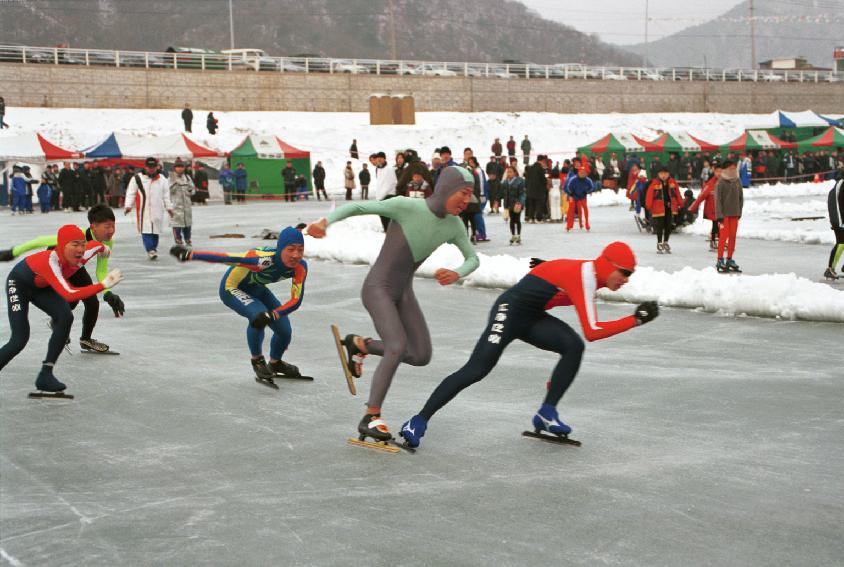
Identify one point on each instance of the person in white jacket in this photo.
(152, 191)
(385, 182)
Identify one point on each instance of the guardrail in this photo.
(262, 63)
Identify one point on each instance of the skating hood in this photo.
(451, 180)
(616, 255)
(286, 237)
(67, 233)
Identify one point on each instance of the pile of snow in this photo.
(785, 190)
(358, 240)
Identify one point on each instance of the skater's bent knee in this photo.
(418, 358)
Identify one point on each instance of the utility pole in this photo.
(392, 31)
(231, 25)
(647, 47)
(752, 38)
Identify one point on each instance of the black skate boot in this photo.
(830, 274)
(373, 426)
(284, 370)
(262, 371)
(48, 386)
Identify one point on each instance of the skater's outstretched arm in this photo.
(40, 242)
(387, 208)
(253, 260)
(471, 262)
(297, 291)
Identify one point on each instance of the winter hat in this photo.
(617, 255)
(445, 150)
(287, 237)
(151, 162)
(178, 163)
(451, 180)
(67, 233)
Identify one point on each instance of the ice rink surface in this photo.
(707, 440)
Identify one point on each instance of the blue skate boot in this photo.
(547, 419)
(413, 430)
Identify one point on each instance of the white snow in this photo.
(358, 240)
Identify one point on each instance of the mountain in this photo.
(439, 30)
(783, 29)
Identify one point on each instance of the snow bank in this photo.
(358, 241)
(784, 190)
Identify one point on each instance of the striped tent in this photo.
(677, 142)
(134, 147)
(618, 142)
(753, 140)
(33, 148)
(831, 138)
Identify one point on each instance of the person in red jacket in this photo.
(707, 197)
(663, 200)
(41, 279)
(520, 313)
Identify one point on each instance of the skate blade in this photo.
(267, 383)
(285, 377)
(49, 396)
(377, 445)
(344, 362)
(558, 439)
(92, 351)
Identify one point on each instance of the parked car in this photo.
(652, 75)
(613, 76)
(432, 70)
(347, 66)
(255, 59)
(771, 77)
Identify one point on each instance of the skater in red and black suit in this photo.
(663, 200)
(729, 201)
(520, 313)
(42, 279)
(707, 197)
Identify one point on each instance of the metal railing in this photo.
(301, 64)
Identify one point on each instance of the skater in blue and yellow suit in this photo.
(244, 290)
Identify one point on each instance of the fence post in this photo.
(56, 55)
(117, 59)
(146, 59)
(87, 61)
(202, 61)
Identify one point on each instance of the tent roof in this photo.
(785, 119)
(169, 146)
(614, 142)
(32, 146)
(758, 140)
(679, 141)
(263, 146)
(831, 138)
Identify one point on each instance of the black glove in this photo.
(6, 255)
(115, 303)
(534, 262)
(264, 319)
(182, 253)
(646, 312)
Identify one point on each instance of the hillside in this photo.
(450, 30)
(783, 29)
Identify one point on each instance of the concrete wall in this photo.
(105, 87)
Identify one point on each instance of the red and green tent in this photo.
(754, 140)
(264, 157)
(677, 143)
(618, 142)
(832, 138)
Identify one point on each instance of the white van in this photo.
(254, 58)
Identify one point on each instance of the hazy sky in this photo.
(623, 21)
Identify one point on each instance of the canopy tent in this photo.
(168, 147)
(831, 138)
(677, 142)
(753, 140)
(33, 148)
(264, 157)
(618, 142)
(794, 125)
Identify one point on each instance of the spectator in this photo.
(673, 166)
(98, 184)
(494, 173)
(302, 188)
(349, 180)
(181, 190)
(385, 183)
(472, 209)
(211, 123)
(418, 188)
(52, 173)
(149, 192)
(413, 165)
(3, 113)
(513, 198)
(526, 150)
(68, 183)
(288, 175)
(187, 117)
(364, 179)
(115, 190)
(400, 164)
(745, 170)
(663, 200)
(496, 148)
(353, 149)
(86, 190)
(241, 182)
(467, 153)
(227, 182)
(511, 147)
(200, 181)
(579, 188)
(45, 193)
(319, 180)
(536, 187)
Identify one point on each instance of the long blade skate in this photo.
(391, 446)
(91, 351)
(344, 362)
(558, 439)
(49, 396)
(268, 382)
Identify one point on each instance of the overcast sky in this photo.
(623, 21)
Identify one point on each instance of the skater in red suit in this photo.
(707, 197)
(729, 201)
(520, 313)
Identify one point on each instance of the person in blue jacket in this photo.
(227, 182)
(45, 194)
(745, 171)
(578, 187)
(240, 183)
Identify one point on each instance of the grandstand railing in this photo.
(31, 55)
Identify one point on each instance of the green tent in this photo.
(264, 157)
(832, 138)
(618, 142)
